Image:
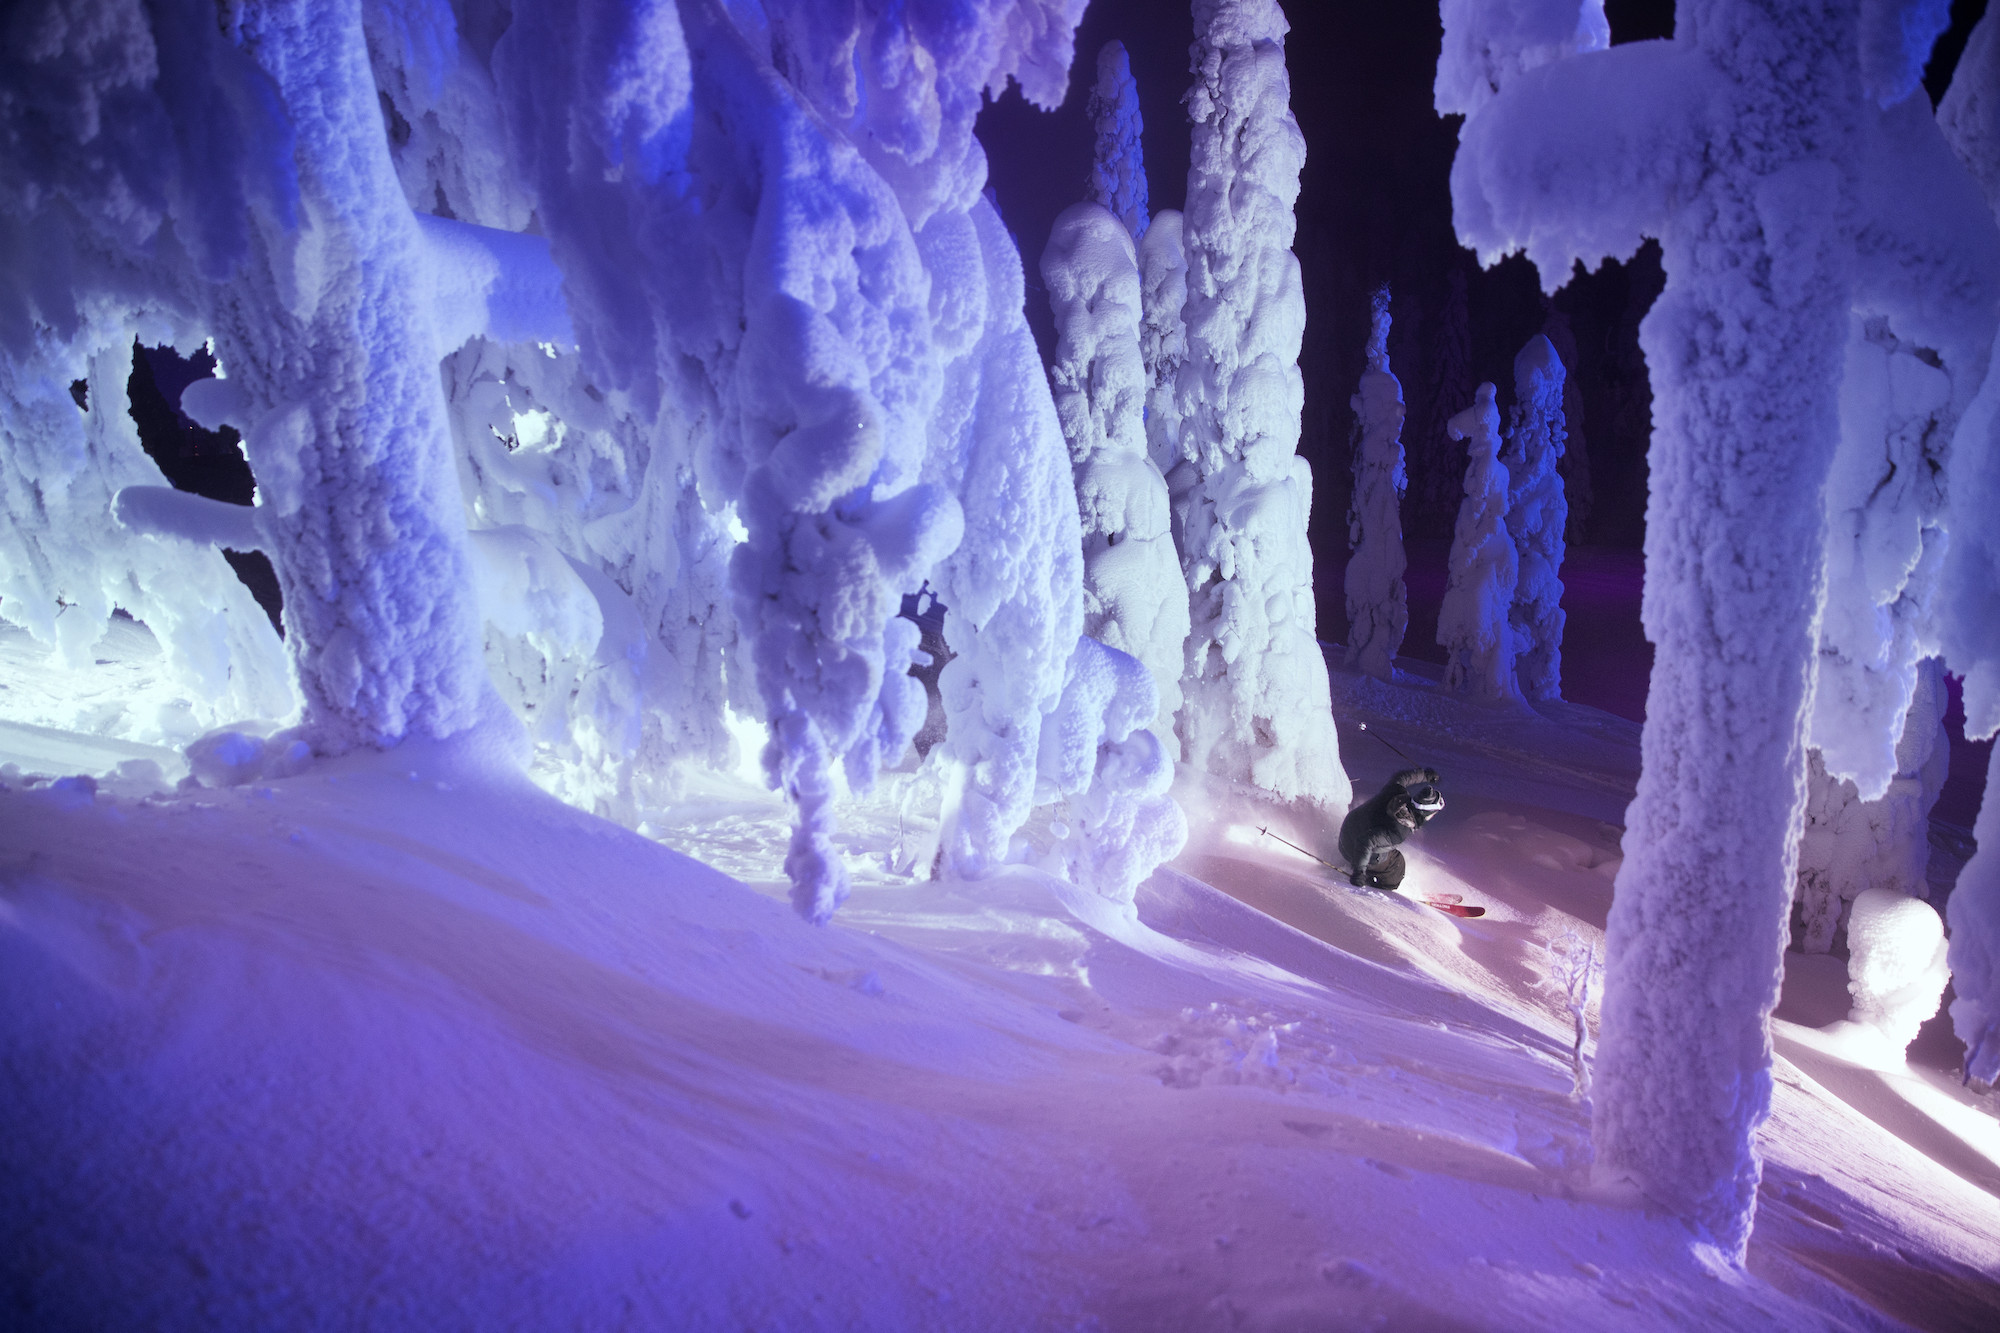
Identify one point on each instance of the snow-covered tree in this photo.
(1378, 610)
(1537, 516)
(1791, 179)
(1163, 335)
(1970, 592)
(1473, 620)
(1118, 165)
(1134, 599)
(1258, 705)
(734, 354)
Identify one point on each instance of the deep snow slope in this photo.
(400, 1042)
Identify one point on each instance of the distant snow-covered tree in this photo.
(1378, 610)
(1134, 598)
(1258, 704)
(1791, 179)
(1473, 621)
(1118, 166)
(1537, 516)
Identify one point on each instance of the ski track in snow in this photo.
(402, 1042)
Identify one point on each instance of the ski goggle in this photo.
(1427, 799)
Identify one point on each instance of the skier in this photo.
(1370, 833)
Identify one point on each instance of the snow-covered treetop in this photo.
(1896, 41)
(1118, 167)
(1970, 111)
(1378, 330)
(1229, 23)
(904, 79)
(1488, 42)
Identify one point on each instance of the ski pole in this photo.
(1300, 850)
(1398, 753)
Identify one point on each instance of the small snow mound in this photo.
(229, 757)
(1896, 963)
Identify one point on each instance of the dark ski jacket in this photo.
(1384, 819)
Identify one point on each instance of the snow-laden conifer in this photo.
(1787, 189)
(1537, 515)
(1378, 610)
(1258, 708)
(1473, 621)
(1133, 596)
(1118, 164)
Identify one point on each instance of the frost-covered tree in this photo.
(1118, 164)
(1970, 592)
(1133, 596)
(1163, 335)
(1034, 708)
(1378, 610)
(1791, 180)
(1258, 705)
(1537, 517)
(733, 355)
(1474, 626)
(330, 329)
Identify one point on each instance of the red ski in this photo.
(1444, 902)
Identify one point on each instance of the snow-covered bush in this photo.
(1790, 184)
(1574, 970)
(1849, 844)
(1474, 624)
(1537, 514)
(1133, 596)
(1258, 704)
(1378, 610)
(1099, 750)
(1896, 964)
(1118, 165)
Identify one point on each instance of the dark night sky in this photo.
(1374, 206)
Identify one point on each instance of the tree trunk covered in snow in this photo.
(332, 355)
(1258, 704)
(1756, 146)
(1378, 610)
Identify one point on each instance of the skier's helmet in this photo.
(1427, 799)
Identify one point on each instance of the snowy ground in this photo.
(400, 1042)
